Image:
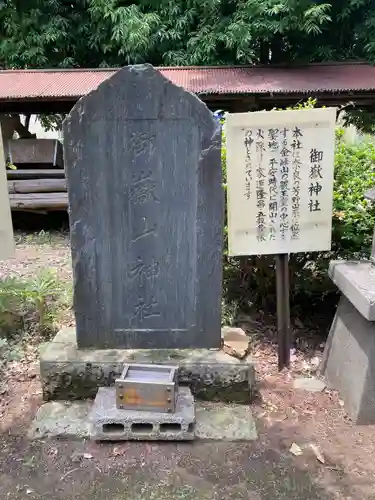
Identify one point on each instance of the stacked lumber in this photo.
(37, 184)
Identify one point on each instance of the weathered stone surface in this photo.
(68, 372)
(142, 159)
(108, 423)
(349, 362)
(214, 421)
(235, 342)
(220, 422)
(356, 281)
(61, 419)
(309, 384)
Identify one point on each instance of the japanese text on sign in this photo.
(280, 181)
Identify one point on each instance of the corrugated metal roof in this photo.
(271, 79)
(65, 84)
(31, 84)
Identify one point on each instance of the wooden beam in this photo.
(38, 106)
(39, 201)
(37, 186)
(36, 173)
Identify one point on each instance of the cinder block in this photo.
(109, 423)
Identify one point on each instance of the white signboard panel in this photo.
(280, 181)
(6, 228)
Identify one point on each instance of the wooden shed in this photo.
(38, 183)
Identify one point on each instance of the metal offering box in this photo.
(147, 388)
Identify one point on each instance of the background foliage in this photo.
(91, 33)
(102, 33)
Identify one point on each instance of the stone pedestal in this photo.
(69, 372)
(349, 356)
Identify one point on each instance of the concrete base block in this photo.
(214, 421)
(71, 373)
(349, 362)
(108, 423)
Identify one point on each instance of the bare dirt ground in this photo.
(37, 252)
(339, 465)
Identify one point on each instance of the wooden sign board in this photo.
(280, 181)
(6, 228)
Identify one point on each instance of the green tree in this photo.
(61, 33)
(44, 33)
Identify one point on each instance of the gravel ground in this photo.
(334, 458)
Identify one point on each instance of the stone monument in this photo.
(146, 206)
(349, 356)
(142, 160)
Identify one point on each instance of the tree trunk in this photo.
(27, 121)
(277, 46)
(264, 52)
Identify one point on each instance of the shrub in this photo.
(250, 281)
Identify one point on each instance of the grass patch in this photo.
(33, 305)
(51, 238)
(30, 310)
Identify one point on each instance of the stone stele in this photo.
(142, 160)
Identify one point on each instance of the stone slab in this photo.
(108, 423)
(356, 281)
(68, 372)
(218, 421)
(62, 419)
(214, 421)
(348, 362)
(147, 248)
(309, 384)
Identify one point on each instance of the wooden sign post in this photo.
(280, 190)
